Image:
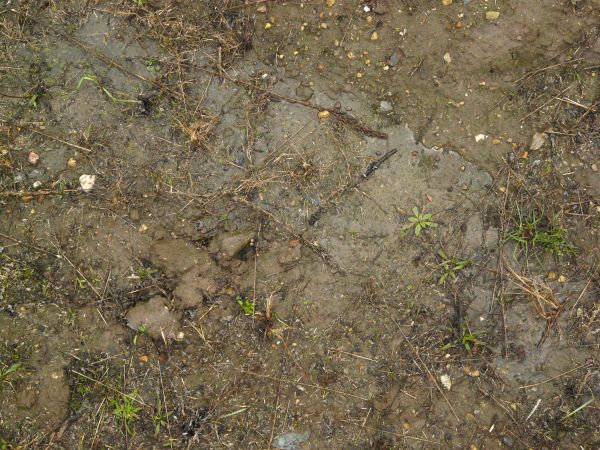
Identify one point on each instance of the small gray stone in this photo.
(304, 92)
(290, 441)
(385, 106)
(230, 244)
(508, 441)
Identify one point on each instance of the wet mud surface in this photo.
(299, 225)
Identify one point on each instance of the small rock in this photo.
(37, 184)
(447, 58)
(538, 140)
(595, 167)
(446, 381)
(33, 158)
(324, 114)
(304, 92)
(290, 441)
(492, 15)
(230, 244)
(87, 182)
(562, 279)
(480, 137)
(155, 317)
(446, 2)
(508, 441)
(396, 57)
(385, 106)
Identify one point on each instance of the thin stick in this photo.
(583, 366)
(34, 247)
(537, 404)
(573, 102)
(354, 354)
(135, 399)
(575, 411)
(49, 136)
(547, 103)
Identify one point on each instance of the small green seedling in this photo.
(450, 267)
(531, 230)
(152, 65)
(420, 221)
(160, 417)
(33, 99)
(141, 330)
(126, 412)
(145, 272)
(4, 373)
(246, 304)
(469, 339)
(94, 80)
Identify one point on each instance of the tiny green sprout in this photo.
(160, 417)
(535, 230)
(469, 339)
(125, 411)
(420, 221)
(246, 304)
(450, 267)
(4, 373)
(141, 330)
(145, 272)
(94, 80)
(33, 98)
(152, 65)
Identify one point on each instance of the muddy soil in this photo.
(317, 224)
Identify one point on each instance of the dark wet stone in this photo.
(304, 92)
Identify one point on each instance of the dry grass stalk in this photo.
(545, 302)
(201, 130)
